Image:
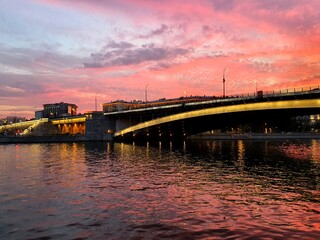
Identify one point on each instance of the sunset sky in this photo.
(73, 50)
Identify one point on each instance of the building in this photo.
(38, 114)
(121, 105)
(61, 109)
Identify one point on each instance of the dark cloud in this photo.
(209, 31)
(160, 65)
(122, 54)
(206, 30)
(277, 5)
(119, 45)
(19, 85)
(162, 30)
(223, 5)
(38, 60)
(292, 15)
(93, 65)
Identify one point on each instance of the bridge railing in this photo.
(292, 91)
(281, 92)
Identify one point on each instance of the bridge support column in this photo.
(99, 128)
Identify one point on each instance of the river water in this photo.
(166, 190)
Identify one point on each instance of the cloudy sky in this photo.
(73, 50)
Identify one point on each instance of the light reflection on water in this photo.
(189, 190)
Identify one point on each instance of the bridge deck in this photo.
(232, 100)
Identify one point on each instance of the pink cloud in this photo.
(175, 47)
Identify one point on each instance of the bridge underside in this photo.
(181, 125)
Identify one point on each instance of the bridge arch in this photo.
(281, 106)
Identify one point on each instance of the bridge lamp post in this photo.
(224, 82)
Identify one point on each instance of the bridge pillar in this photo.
(99, 128)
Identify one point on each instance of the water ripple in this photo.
(197, 190)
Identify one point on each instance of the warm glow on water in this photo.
(189, 190)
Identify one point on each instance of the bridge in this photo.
(203, 114)
(46, 126)
(181, 117)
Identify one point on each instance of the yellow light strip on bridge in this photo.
(24, 124)
(288, 104)
(69, 120)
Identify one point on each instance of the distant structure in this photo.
(38, 114)
(59, 110)
(121, 105)
(56, 110)
(11, 119)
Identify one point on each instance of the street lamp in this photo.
(146, 92)
(224, 82)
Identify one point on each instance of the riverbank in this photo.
(253, 136)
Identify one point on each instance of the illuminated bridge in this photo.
(188, 118)
(44, 126)
(178, 118)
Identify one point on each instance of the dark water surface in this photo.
(189, 190)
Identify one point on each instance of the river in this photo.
(166, 190)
